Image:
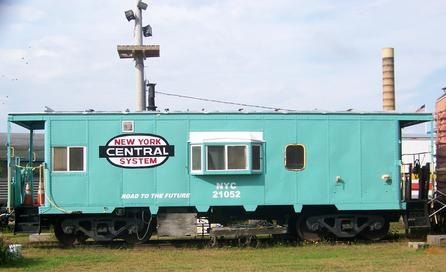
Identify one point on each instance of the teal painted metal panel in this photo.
(280, 183)
(72, 132)
(70, 189)
(344, 161)
(105, 181)
(312, 181)
(226, 190)
(379, 158)
(172, 178)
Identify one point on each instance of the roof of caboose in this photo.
(36, 120)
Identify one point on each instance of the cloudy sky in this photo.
(292, 54)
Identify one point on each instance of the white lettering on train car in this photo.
(226, 190)
(155, 196)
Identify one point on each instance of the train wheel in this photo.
(304, 233)
(376, 231)
(64, 239)
(81, 237)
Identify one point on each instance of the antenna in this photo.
(139, 52)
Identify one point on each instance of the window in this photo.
(60, 159)
(227, 157)
(76, 159)
(295, 157)
(237, 157)
(127, 126)
(196, 157)
(226, 153)
(255, 158)
(216, 157)
(69, 159)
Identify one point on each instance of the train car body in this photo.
(310, 169)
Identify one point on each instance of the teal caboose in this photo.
(122, 175)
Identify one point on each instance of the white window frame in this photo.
(248, 139)
(84, 154)
(226, 158)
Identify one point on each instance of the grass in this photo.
(363, 257)
(357, 256)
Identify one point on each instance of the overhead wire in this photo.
(223, 102)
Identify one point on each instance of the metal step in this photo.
(27, 220)
(417, 215)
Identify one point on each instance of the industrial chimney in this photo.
(388, 79)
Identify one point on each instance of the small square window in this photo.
(295, 157)
(128, 126)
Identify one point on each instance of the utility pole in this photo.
(139, 52)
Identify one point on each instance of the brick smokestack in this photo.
(388, 79)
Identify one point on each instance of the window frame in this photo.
(84, 158)
(261, 154)
(191, 158)
(304, 158)
(226, 158)
(248, 158)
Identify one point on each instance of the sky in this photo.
(292, 54)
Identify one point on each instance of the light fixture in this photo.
(147, 31)
(129, 15)
(142, 5)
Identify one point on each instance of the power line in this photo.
(223, 102)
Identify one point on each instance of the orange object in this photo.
(28, 197)
(40, 191)
(40, 196)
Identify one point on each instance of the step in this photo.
(417, 214)
(26, 210)
(27, 228)
(27, 220)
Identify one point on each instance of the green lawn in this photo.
(384, 256)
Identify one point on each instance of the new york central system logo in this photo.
(137, 150)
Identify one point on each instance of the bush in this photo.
(5, 255)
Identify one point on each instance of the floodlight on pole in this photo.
(147, 31)
(130, 15)
(142, 5)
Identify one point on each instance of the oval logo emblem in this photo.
(137, 150)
